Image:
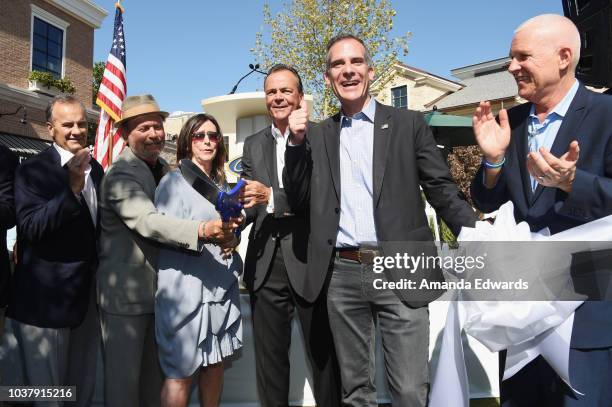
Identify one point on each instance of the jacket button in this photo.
(329, 241)
(337, 210)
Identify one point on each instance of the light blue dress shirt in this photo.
(543, 134)
(356, 178)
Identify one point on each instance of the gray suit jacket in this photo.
(131, 231)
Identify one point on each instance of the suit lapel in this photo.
(144, 173)
(268, 153)
(571, 122)
(96, 177)
(331, 137)
(57, 161)
(383, 128)
(520, 135)
(568, 130)
(55, 156)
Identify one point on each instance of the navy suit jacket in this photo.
(8, 163)
(57, 253)
(588, 120)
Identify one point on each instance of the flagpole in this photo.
(110, 150)
(110, 98)
(110, 139)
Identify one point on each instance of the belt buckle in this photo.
(366, 256)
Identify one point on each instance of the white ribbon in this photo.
(526, 329)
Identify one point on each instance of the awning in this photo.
(23, 146)
(438, 119)
(450, 130)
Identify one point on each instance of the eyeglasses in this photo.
(213, 136)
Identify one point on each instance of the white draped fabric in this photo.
(526, 329)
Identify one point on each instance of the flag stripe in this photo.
(107, 106)
(116, 70)
(112, 92)
(114, 83)
(111, 99)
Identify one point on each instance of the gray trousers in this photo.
(132, 375)
(354, 308)
(62, 357)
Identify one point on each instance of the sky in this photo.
(183, 51)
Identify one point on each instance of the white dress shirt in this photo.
(357, 225)
(281, 144)
(89, 191)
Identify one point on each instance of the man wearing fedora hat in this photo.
(131, 233)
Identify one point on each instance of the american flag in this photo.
(110, 98)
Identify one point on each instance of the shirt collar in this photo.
(366, 114)
(563, 106)
(277, 133)
(65, 155)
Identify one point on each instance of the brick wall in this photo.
(15, 31)
(35, 126)
(15, 20)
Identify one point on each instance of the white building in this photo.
(239, 116)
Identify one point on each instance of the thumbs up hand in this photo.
(298, 124)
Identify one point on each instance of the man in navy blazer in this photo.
(552, 158)
(52, 303)
(8, 163)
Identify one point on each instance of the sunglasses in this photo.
(213, 136)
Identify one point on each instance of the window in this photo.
(586, 64)
(581, 5)
(399, 97)
(48, 42)
(587, 40)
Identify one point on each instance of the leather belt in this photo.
(362, 256)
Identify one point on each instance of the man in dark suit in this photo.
(52, 303)
(359, 171)
(552, 157)
(275, 269)
(8, 163)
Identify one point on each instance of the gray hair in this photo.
(64, 99)
(341, 37)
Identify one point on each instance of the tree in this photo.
(98, 71)
(299, 34)
(464, 162)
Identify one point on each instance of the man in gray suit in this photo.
(132, 230)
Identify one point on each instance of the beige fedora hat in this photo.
(138, 105)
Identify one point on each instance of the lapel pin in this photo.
(384, 126)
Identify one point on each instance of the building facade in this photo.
(405, 86)
(240, 115)
(594, 21)
(54, 36)
(488, 80)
